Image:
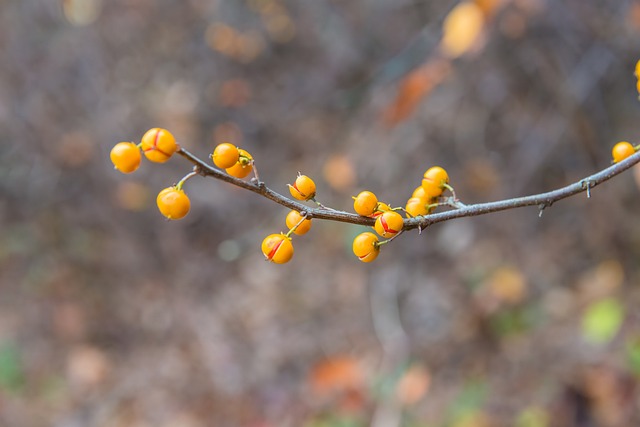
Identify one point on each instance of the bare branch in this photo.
(543, 200)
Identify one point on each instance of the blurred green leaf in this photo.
(533, 417)
(11, 373)
(602, 320)
(468, 401)
(633, 356)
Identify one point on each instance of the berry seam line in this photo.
(542, 200)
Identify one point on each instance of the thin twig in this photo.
(543, 200)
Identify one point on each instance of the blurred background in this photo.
(111, 316)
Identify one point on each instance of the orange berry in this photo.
(637, 70)
(365, 203)
(225, 155)
(638, 85)
(243, 166)
(621, 151)
(126, 157)
(380, 209)
(389, 224)
(416, 207)
(294, 218)
(303, 188)
(173, 203)
(434, 180)
(420, 193)
(277, 248)
(158, 145)
(365, 246)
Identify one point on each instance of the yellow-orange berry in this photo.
(158, 145)
(303, 188)
(277, 248)
(173, 203)
(638, 85)
(365, 246)
(637, 70)
(380, 209)
(434, 182)
(126, 157)
(420, 193)
(389, 224)
(225, 155)
(621, 151)
(365, 203)
(294, 218)
(243, 166)
(416, 207)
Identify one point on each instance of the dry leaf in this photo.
(414, 87)
(461, 29)
(507, 285)
(413, 385)
(339, 173)
(336, 374)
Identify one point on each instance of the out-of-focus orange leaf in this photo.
(489, 7)
(227, 132)
(338, 171)
(461, 29)
(338, 373)
(87, 367)
(507, 285)
(81, 12)
(513, 24)
(601, 280)
(235, 93)
(633, 16)
(413, 385)
(414, 87)
(132, 196)
(75, 149)
(473, 419)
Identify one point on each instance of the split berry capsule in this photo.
(225, 155)
(158, 145)
(303, 188)
(243, 166)
(365, 246)
(434, 182)
(126, 157)
(621, 151)
(173, 203)
(365, 203)
(389, 224)
(277, 248)
(380, 209)
(294, 218)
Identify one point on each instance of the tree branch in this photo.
(543, 200)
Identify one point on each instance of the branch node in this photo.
(586, 183)
(541, 207)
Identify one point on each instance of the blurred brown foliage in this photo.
(112, 316)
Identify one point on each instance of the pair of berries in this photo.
(157, 144)
(389, 223)
(366, 246)
(278, 248)
(622, 150)
(235, 161)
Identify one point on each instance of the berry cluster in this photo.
(389, 223)
(158, 145)
(278, 248)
